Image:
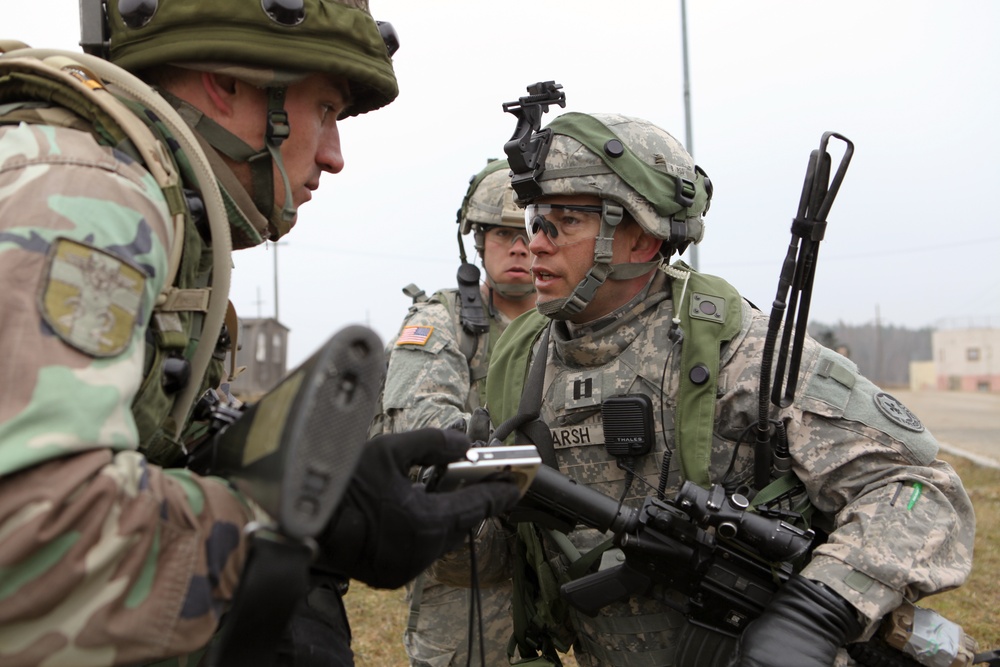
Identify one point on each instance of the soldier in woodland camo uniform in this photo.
(900, 524)
(436, 377)
(107, 558)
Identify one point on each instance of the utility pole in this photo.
(258, 302)
(689, 142)
(275, 245)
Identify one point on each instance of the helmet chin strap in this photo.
(262, 162)
(278, 130)
(512, 291)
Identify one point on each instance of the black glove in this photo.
(803, 626)
(387, 529)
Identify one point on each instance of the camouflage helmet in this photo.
(488, 200)
(632, 162)
(277, 41)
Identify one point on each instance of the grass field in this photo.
(378, 617)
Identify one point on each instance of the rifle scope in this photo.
(773, 539)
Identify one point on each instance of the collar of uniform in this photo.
(601, 341)
(249, 228)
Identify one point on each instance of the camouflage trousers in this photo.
(437, 634)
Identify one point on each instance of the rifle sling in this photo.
(526, 422)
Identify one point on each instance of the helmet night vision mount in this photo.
(527, 148)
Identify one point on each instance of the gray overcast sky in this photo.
(913, 236)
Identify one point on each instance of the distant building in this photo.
(263, 350)
(923, 376)
(966, 359)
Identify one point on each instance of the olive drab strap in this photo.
(527, 425)
(85, 83)
(509, 365)
(710, 314)
(541, 626)
(69, 84)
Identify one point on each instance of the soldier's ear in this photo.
(222, 91)
(645, 246)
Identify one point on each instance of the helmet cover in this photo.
(485, 202)
(633, 162)
(337, 37)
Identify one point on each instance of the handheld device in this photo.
(515, 463)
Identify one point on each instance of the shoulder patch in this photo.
(897, 412)
(414, 335)
(91, 298)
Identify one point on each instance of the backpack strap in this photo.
(89, 86)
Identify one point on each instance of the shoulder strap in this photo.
(710, 314)
(85, 82)
(509, 364)
(468, 341)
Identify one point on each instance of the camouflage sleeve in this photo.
(427, 381)
(902, 523)
(104, 559)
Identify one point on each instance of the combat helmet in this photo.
(268, 43)
(489, 202)
(633, 166)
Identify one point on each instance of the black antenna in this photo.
(797, 273)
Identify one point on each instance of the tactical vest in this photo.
(83, 92)
(705, 333)
(709, 312)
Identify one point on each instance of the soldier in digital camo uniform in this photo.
(900, 524)
(107, 558)
(436, 377)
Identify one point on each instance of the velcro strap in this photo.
(829, 369)
(175, 299)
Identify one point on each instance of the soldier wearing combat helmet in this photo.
(117, 208)
(437, 376)
(607, 202)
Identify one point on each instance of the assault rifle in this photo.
(727, 561)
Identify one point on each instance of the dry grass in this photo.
(974, 606)
(378, 617)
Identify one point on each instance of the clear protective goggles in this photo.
(563, 224)
(505, 237)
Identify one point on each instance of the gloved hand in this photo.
(803, 626)
(387, 529)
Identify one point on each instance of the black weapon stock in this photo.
(726, 559)
(293, 452)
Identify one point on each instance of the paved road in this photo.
(965, 421)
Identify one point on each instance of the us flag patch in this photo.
(414, 335)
